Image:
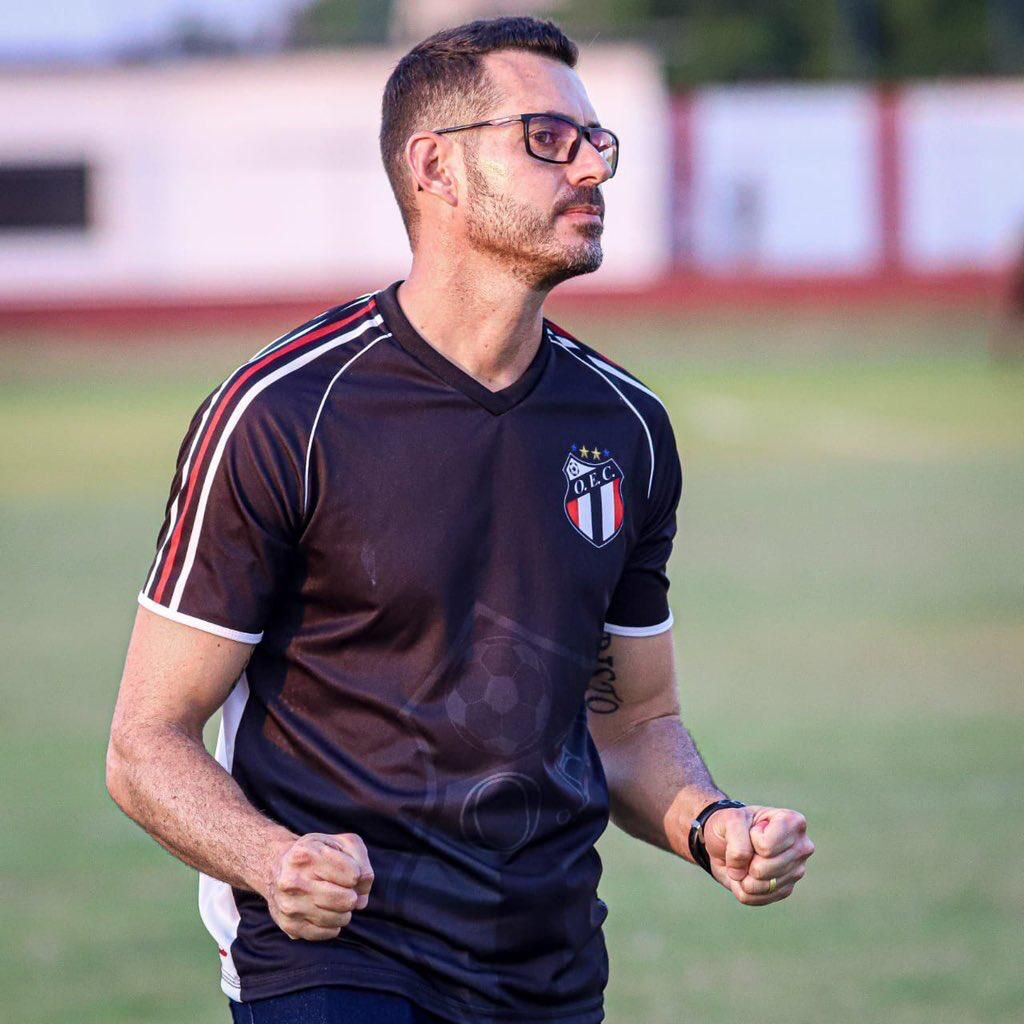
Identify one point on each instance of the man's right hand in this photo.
(161, 775)
(315, 883)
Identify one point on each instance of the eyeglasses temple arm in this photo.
(477, 124)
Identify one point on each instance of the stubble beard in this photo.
(524, 241)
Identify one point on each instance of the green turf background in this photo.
(849, 592)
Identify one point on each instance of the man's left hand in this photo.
(758, 853)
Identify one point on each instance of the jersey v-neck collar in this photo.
(495, 402)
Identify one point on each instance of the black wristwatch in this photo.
(698, 850)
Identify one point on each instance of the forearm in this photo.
(658, 782)
(163, 778)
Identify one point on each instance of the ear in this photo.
(430, 158)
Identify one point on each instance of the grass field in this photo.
(849, 588)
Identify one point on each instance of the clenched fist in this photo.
(315, 882)
(758, 853)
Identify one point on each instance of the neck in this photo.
(479, 317)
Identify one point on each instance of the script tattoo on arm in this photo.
(602, 698)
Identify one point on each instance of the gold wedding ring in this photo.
(773, 884)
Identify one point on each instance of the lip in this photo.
(583, 211)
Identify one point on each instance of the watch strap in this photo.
(698, 850)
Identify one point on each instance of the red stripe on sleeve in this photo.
(215, 419)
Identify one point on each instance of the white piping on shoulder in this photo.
(567, 346)
(243, 404)
(317, 321)
(173, 518)
(320, 409)
(601, 364)
(277, 343)
(615, 372)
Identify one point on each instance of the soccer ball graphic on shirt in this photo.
(502, 700)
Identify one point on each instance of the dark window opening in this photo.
(42, 196)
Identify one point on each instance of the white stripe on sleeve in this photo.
(206, 627)
(290, 367)
(639, 630)
(615, 372)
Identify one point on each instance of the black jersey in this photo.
(425, 568)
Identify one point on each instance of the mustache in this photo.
(582, 197)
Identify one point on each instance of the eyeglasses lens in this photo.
(551, 138)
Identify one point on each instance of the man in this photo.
(395, 540)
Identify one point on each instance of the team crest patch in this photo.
(593, 494)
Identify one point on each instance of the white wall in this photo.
(228, 178)
(785, 180)
(963, 175)
(263, 175)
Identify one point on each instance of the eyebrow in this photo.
(561, 113)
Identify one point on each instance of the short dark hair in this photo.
(442, 81)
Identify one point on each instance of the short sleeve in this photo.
(639, 605)
(231, 521)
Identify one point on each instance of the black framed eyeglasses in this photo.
(553, 138)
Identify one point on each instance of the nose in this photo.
(589, 166)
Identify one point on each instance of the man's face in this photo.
(543, 221)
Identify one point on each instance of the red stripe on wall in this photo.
(211, 427)
(890, 183)
(149, 320)
(681, 114)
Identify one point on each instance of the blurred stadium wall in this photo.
(220, 183)
(225, 180)
(862, 186)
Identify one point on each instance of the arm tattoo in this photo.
(602, 698)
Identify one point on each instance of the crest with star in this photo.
(591, 453)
